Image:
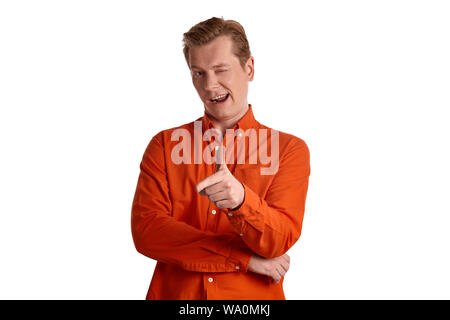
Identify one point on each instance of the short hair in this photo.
(208, 30)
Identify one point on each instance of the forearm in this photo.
(271, 223)
(266, 230)
(160, 237)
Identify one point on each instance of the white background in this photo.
(84, 85)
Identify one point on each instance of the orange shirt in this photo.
(203, 251)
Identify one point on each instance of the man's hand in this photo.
(222, 187)
(275, 268)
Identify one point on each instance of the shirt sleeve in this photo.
(270, 226)
(158, 235)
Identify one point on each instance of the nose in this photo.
(210, 82)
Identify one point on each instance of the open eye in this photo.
(197, 73)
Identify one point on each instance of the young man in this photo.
(211, 206)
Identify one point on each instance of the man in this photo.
(218, 222)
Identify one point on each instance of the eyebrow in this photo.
(220, 65)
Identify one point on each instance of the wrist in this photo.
(243, 199)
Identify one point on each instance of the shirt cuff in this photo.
(240, 259)
(248, 212)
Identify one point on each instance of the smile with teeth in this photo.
(220, 98)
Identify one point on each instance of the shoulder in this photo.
(293, 155)
(165, 137)
(288, 143)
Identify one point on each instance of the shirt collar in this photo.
(246, 122)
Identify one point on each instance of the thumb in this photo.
(221, 159)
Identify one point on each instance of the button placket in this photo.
(212, 217)
(210, 287)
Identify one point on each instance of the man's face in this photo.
(219, 78)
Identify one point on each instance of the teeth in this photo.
(219, 97)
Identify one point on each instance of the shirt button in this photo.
(230, 214)
(213, 212)
(210, 279)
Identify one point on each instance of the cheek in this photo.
(231, 83)
(239, 86)
(197, 86)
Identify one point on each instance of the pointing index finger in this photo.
(208, 181)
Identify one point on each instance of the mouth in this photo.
(220, 99)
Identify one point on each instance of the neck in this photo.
(224, 124)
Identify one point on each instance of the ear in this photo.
(250, 68)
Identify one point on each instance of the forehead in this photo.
(218, 51)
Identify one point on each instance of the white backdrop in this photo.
(84, 85)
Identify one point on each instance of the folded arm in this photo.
(157, 235)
